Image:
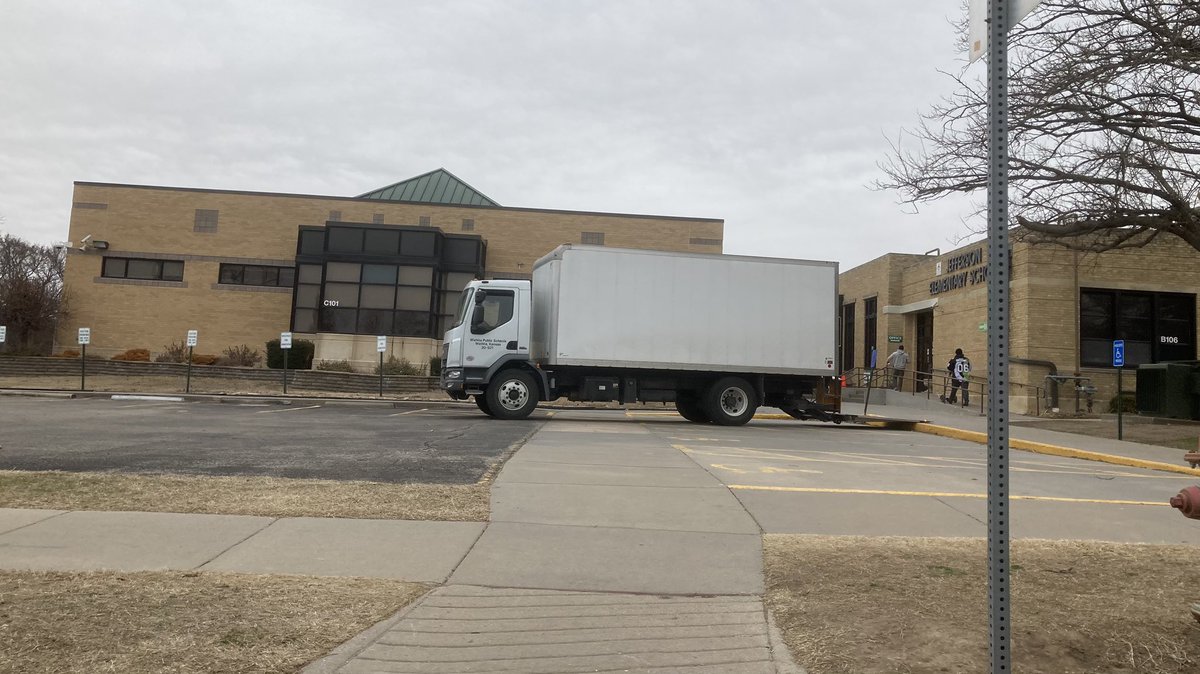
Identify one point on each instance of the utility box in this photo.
(1169, 390)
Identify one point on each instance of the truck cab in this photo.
(491, 333)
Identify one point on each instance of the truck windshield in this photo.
(463, 304)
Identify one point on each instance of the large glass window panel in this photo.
(374, 322)
(306, 320)
(232, 273)
(144, 269)
(456, 281)
(337, 319)
(345, 294)
(345, 240)
(417, 244)
(378, 297)
(287, 277)
(172, 270)
(412, 323)
(312, 242)
(382, 242)
(1095, 352)
(416, 276)
(1136, 353)
(257, 276)
(114, 267)
(342, 272)
(414, 299)
(497, 310)
(1176, 307)
(461, 251)
(1135, 317)
(308, 295)
(310, 273)
(379, 273)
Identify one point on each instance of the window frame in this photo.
(160, 266)
(267, 269)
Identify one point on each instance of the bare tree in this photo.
(1104, 127)
(32, 298)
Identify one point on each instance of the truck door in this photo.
(494, 329)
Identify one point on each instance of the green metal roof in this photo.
(436, 187)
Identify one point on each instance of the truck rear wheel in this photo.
(730, 401)
(512, 395)
(482, 403)
(690, 409)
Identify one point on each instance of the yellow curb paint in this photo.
(883, 492)
(1055, 450)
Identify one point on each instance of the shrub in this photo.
(300, 356)
(173, 353)
(139, 355)
(204, 359)
(1127, 402)
(435, 366)
(399, 366)
(241, 356)
(334, 366)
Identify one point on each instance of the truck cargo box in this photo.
(610, 307)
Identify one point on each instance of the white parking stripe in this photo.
(287, 409)
(400, 414)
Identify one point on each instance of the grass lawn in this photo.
(265, 496)
(874, 605)
(154, 622)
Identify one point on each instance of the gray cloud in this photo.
(770, 115)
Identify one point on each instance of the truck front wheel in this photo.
(482, 403)
(512, 395)
(730, 401)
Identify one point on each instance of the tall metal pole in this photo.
(999, 521)
(285, 360)
(83, 368)
(380, 374)
(188, 387)
(1120, 406)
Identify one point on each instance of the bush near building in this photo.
(334, 366)
(241, 356)
(173, 353)
(299, 357)
(400, 366)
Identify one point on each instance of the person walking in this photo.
(898, 361)
(960, 373)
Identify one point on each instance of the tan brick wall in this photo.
(257, 226)
(1044, 308)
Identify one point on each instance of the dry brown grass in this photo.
(166, 385)
(154, 622)
(872, 605)
(266, 496)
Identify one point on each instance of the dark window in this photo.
(374, 322)
(468, 225)
(382, 242)
(310, 273)
(592, 238)
(497, 310)
(1156, 327)
(312, 242)
(848, 336)
(308, 296)
(423, 221)
(411, 324)
(417, 244)
(306, 320)
(377, 218)
(257, 275)
(870, 320)
(461, 251)
(379, 273)
(345, 240)
(206, 221)
(144, 270)
(335, 216)
(336, 319)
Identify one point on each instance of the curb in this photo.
(1055, 450)
(38, 394)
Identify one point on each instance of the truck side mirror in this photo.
(476, 317)
(480, 296)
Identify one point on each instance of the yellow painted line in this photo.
(941, 494)
(1055, 450)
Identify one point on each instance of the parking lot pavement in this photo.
(419, 442)
(824, 479)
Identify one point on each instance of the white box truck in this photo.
(717, 335)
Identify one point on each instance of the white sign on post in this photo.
(85, 336)
(3, 333)
(977, 28)
(192, 336)
(381, 343)
(285, 340)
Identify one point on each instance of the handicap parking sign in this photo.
(1118, 353)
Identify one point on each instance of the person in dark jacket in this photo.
(960, 373)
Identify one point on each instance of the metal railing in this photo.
(917, 383)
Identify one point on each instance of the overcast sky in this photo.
(769, 115)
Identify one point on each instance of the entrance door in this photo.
(924, 350)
